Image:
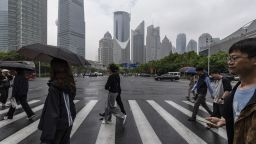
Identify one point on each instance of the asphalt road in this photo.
(156, 113)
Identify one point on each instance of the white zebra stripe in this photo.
(221, 132)
(147, 134)
(183, 131)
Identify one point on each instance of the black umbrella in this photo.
(47, 52)
(15, 65)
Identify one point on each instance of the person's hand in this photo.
(217, 122)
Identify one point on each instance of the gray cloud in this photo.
(193, 17)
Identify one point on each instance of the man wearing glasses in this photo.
(240, 106)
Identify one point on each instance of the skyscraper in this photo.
(105, 52)
(24, 22)
(152, 43)
(181, 43)
(192, 46)
(138, 44)
(166, 48)
(204, 41)
(121, 48)
(71, 26)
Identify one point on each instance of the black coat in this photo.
(113, 83)
(20, 87)
(55, 113)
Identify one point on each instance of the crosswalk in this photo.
(149, 122)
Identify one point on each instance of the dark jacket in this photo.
(56, 114)
(243, 131)
(113, 83)
(20, 86)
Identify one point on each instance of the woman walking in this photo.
(59, 110)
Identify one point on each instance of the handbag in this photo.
(13, 102)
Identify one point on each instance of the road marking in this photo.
(19, 106)
(183, 131)
(81, 116)
(107, 133)
(23, 133)
(192, 104)
(147, 134)
(18, 116)
(221, 132)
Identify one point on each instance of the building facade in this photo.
(192, 46)
(71, 26)
(24, 22)
(204, 41)
(152, 43)
(105, 52)
(121, 44)
(181, 43)
(166, 48)
(138, 36)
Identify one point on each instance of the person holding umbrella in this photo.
(59, 110)
(19, 92)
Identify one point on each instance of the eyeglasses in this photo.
(234, 58)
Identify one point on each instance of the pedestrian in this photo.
(6, 83)
(19, 92)
(190, 85)
(221, 88)
(240, 106)
(3, 85)
(113, 86)
(59, 110)
(201, 90)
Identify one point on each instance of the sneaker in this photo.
(192, 119)
(124, 119)
(102, 114)
(106, 122)
(6, 118)
(31, 117)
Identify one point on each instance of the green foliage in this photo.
(11, 56)
(174, 62)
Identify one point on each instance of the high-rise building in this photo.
(138, 44)
(192, 46)
(4, 25)
(71, 26)
(105, 52)
(121, 48)
(204, 41)
(152, 43)
(22, 22)
(181, 43)
(166, 48)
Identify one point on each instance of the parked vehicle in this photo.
(175, 74)
(167, 77)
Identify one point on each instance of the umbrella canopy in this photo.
(15, 65)
(191, 70)
(47, 52)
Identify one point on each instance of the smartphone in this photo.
(208, 122)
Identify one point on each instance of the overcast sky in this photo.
(192, 17)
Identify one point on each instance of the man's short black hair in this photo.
(113, 67)
(215, 71)
(246, 46)
(199, 69)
